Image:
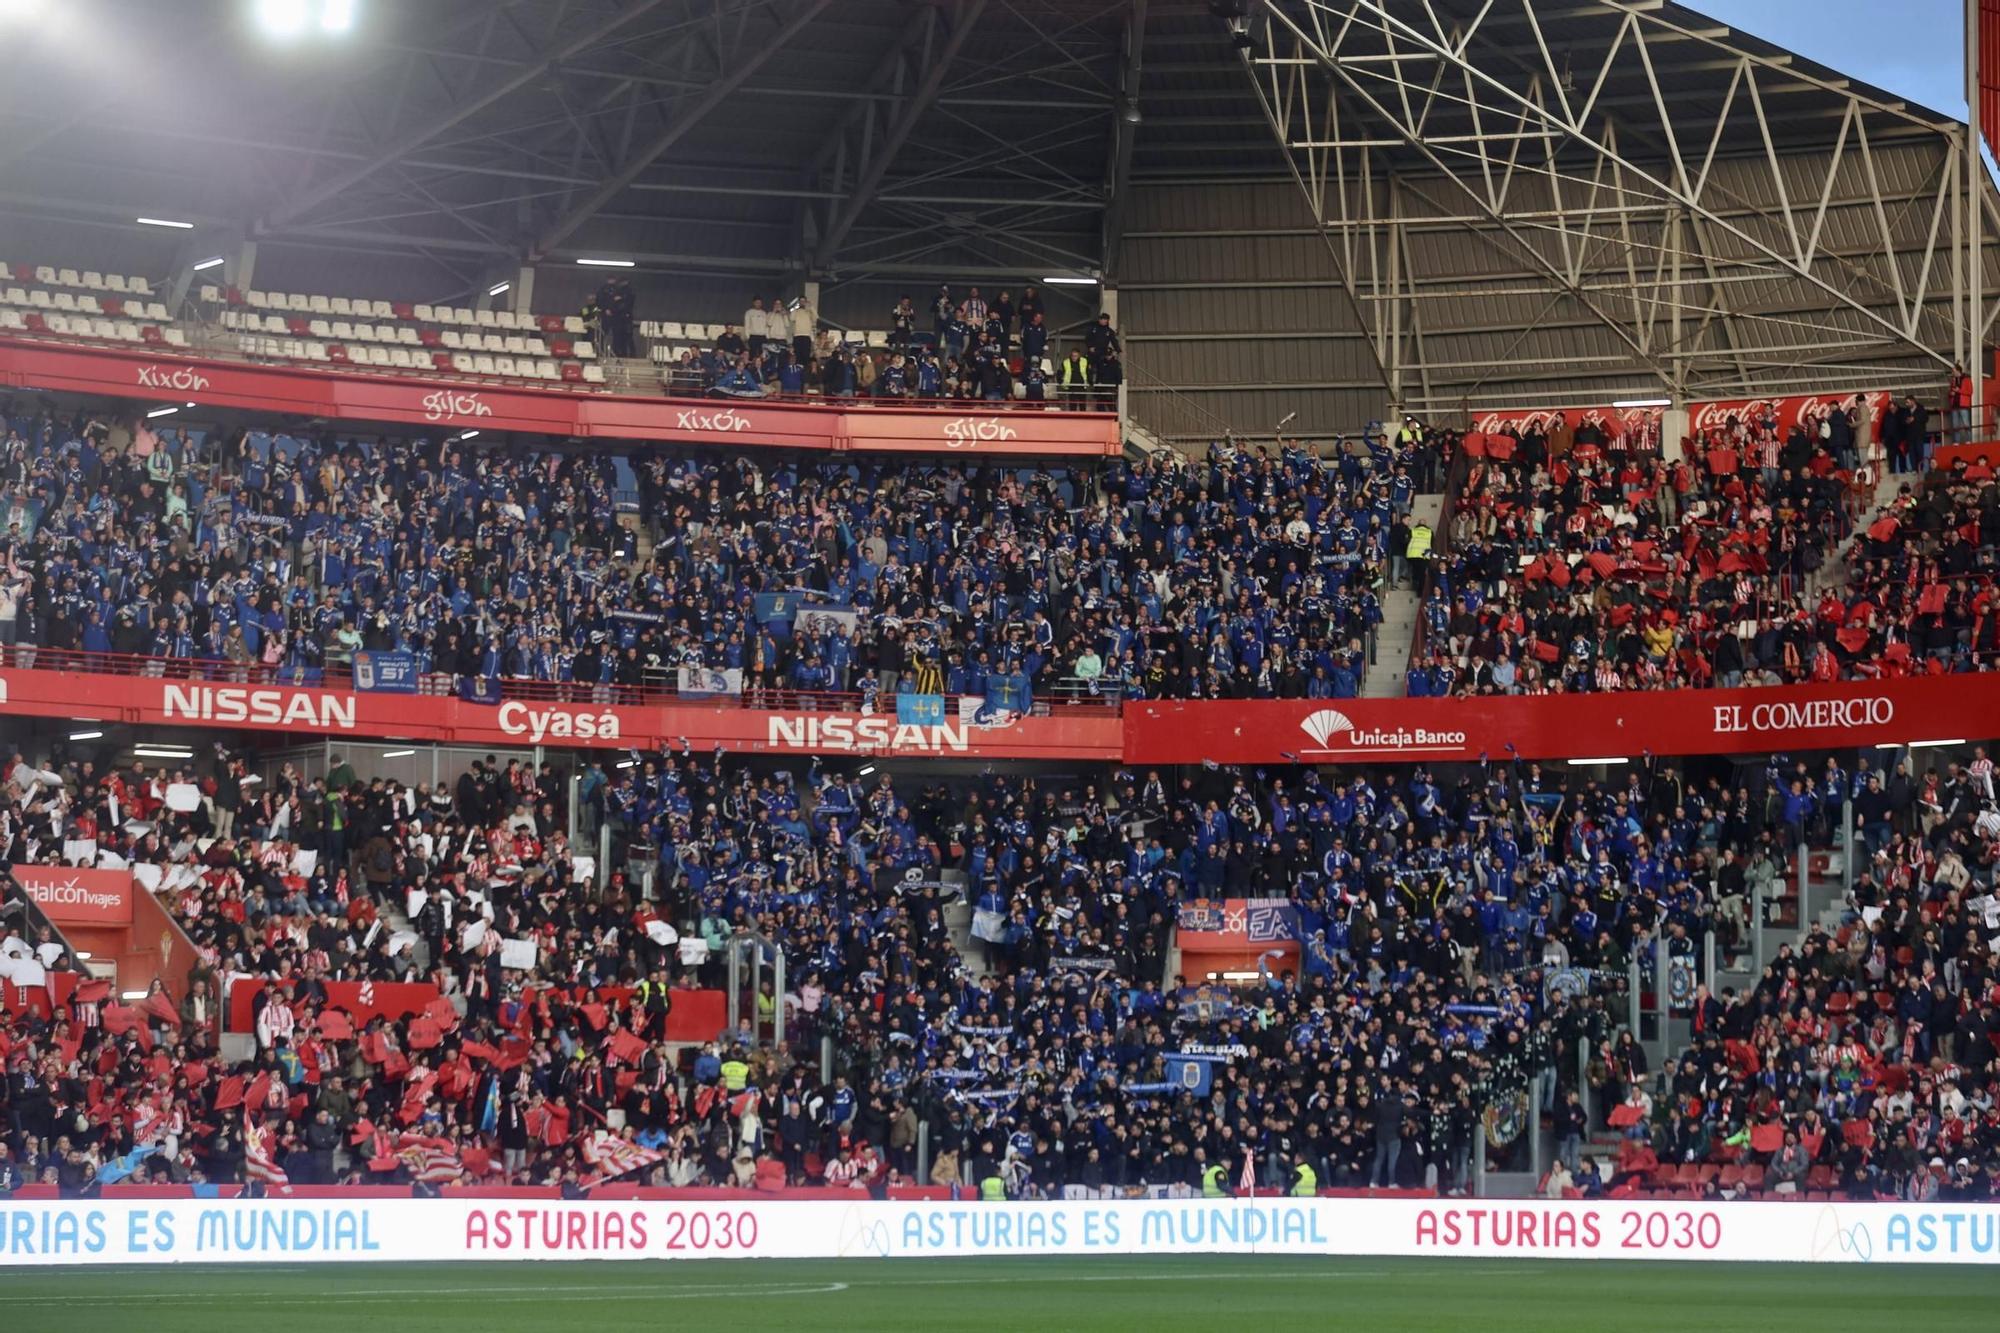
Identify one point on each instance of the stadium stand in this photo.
(1046, 1052)
(1247, 575)
(1577, 564)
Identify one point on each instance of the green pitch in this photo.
(1152, 1294)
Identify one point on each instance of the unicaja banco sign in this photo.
(1333, 732)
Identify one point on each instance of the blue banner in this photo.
(480, 690)
(920, 710)
(778, 606)
(386, 672)
(1190, 1074)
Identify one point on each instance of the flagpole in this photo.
(1975, 187)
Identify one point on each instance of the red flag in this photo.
(595, 1015)
(439, 1011)
(626, 1048)
(479, 1050)
(94, 991)
(335, 1026)
(424, 1033)
(374, 1047)
(161, 1006)
(229, 1092)
(120, 1019)
(196, 1071)
(258, 1095)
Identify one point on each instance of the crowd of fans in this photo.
(1574, 564)
(1458, 934)
(957, 346)
(1250, 573)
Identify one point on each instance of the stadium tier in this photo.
(1140, 647)
(428, 994)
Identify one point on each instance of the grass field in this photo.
(1153, 1294)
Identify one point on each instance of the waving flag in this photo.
(613, 1156)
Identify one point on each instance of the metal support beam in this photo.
(409, 141)
(563, 228)
(1124, 133)
(906, 123)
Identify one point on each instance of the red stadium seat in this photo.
(441, 360)
(402, 310)
(337, 353)
(549, 323)
(151, 334)
(299, 325)
(572, 373)
(561, 348)
(430, 338)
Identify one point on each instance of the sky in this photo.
(1913, 48)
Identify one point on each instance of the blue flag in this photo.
(920, 710)
(1190, 1074)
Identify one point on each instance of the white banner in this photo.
(323, 1230)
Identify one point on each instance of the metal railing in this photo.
(1170, 414)
(1070, 696)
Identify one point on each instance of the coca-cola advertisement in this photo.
(1633, 426)
(1713, 420)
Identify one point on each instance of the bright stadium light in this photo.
(212, 261)
(1597, 763)
(336, 15)
(86, 735)
(607, 263)
(1070, 282)
(283, 18)
(1931, 745)
(166, 222)
(397, 754)
(162, 412)
(1644, 402)
(498, 288)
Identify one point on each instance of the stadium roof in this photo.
(1542, 200)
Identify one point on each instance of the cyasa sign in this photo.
(77, 896)
(552, 722)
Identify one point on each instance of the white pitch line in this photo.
(669, 1292)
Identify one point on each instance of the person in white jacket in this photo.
(756, 326)
(804, 320)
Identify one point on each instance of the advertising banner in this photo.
(1806, 410)
(1566, 726)
(1261, 731)
(73, 896)
(424, 401)
(331, 1230)
(1614, 422)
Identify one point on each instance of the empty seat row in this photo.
(37, 298)
(77, 280)
(403, 358)
(370, 309)
(84, 326)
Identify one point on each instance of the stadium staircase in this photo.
(1398, 631)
